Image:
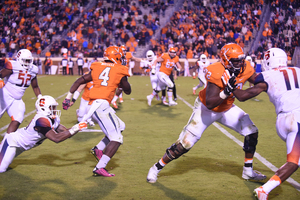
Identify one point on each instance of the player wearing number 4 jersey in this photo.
(281, 83)
(17, 77)
(215, 104)
(107, 76)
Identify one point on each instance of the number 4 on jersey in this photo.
(104, 76)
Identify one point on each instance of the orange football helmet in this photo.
(172, 52)
(114, 54)
(233, 58)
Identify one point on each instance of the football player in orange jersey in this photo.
(168, 61)
(128, 57)
(215, 104)
(107, 76)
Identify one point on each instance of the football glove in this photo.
(153, 71)
(78, 127)
(1, 83)
(230, 86)
(66, 104)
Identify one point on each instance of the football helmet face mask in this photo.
(24, 57)
(274, 58)
(150, 55)
(46, 105)
(114, 54)
(172, 52)
(233, 58)
(203, 58)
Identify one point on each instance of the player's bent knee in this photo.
(250, 143)
(175, 151)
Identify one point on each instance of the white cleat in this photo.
(250, 174)
(149, 99)
(260, 194)
(152, 174)
(172, 103)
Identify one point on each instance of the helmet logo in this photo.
(19, 53)
(267, 55)
(42, 102)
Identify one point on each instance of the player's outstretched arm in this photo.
(63, 133)
(243, 95)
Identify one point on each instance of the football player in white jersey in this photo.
(154, 69)
(45, 124)
(202, 63)
(17, 77)
(282, 84)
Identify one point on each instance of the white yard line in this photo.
(294, 183)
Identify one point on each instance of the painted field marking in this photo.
(294, 183)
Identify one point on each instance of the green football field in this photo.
(212, 169)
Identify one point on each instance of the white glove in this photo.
(78, 127)
(153, 71)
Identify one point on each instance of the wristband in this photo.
(76, 95)
(223, 95)
(39, 96)
(69, 95)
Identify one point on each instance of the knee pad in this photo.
(175, 151)
(250, 143)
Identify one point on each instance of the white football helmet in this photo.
(274, 58)
(150, 55)
(248, 58)
(46, 105)
(203, 58)
(24, 57)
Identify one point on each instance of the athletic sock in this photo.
(271, 184)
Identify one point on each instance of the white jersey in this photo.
(202, 65)
(201, 73)
(283, 88)
(19, 80)
(34, 134)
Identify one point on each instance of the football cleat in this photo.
(152, 174)
(121, 100)
(250, 174)
(172, 103)
(114, 103)
(97, 153)
(102, 172)
(260, 194)
(149, 99)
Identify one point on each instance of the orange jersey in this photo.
(168, 64)
(106, 78)
(86, 91)
(214, 73)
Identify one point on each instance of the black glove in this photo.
(230, 86)
(66, 104)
